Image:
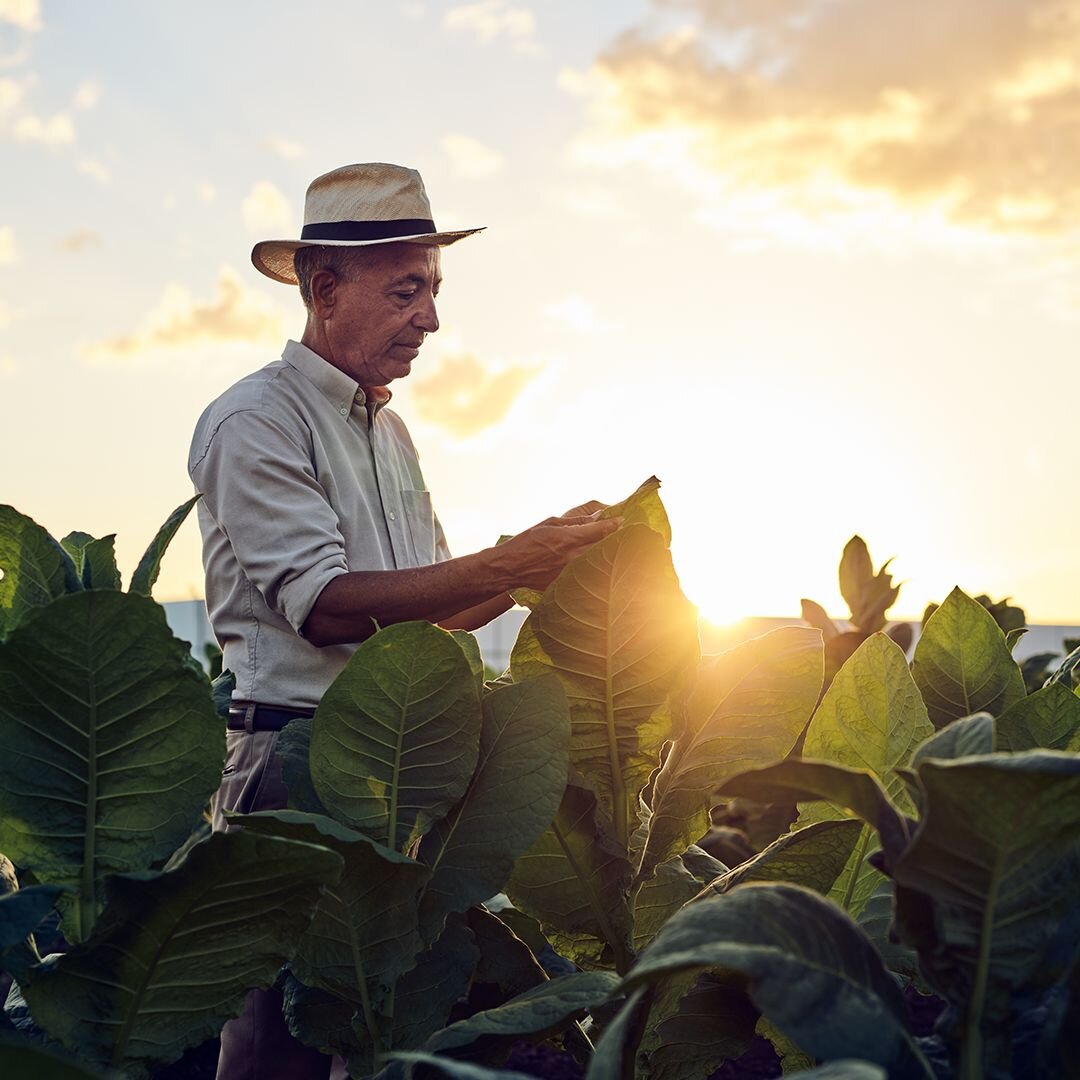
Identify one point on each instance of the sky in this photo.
(814, 263)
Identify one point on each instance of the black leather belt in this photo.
(252, 717)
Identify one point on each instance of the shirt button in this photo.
(392, 518)
(344, 411)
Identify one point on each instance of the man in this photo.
(317, 525)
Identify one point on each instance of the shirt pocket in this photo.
(420, 519)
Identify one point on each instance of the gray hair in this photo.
(344, 262)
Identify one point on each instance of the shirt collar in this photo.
(341, 391)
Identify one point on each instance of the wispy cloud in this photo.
(81, 240)
(57, 130)
(266, 210)
(286, 148)
(207, 191)
(963, 109)
(95, 169)
(87, 95)
(25, 14)
(464, 397)
(471, 158)
(8, 365)
(8, 252)
(489, 20)
(8, 314)
(236, 314)
(576, 312)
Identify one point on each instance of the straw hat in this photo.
(356, 206)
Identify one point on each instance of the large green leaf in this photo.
(814, 856)
(617, 630)
(396, 736)
(962, 663)
(872, 717)
(642, 507)
(515, 791)
(294, 749)
(174, 954)
(539, 1011)
(806, 781)
(660, 897)
(22, 1059)
(423, 998)
(20, 913)
(575, 880)
(969, 735)
(876, 919)
(811, 971)
(35, 568)
(95, 560)
(712, 1022)
(365, 932)
(507, 966)
(146, 573)
(616, 1051)
(747, 707)
(462, 1070)
(112, 744)
(997, 855)
(1048, 718)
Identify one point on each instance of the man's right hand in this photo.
(537, 555)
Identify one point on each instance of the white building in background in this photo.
(187, 619)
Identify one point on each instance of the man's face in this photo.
(380, 320)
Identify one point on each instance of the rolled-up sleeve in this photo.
(258, 483)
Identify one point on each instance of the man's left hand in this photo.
(586, 509)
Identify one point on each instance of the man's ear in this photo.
(323, 293)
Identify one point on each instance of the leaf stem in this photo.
(87, 906)
(860, 854)
(971, 1061)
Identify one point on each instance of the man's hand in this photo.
(537, 555)
(586, 509)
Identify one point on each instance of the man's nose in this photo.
(427, 319)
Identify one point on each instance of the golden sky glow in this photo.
(815, 264)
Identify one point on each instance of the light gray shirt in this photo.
(302, 479)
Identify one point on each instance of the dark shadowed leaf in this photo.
(396, 736)
(962, 663)
(962, 738)
(294, 749)
(616, 1051)
(544, 1009)
(813, 856)
(112, 744)
(575, 879)
(146, 573)
(712, 1022)
(506, 963)
(20, 913)
(459, 1070)
(95, 560)
(364, 934)
(617, 630)
(805, 781)
(514, 793)
(846, 1069)
(876, 920)
(747, 706)
(174, 954)
(1048, 718)
(810, 969)
(872, 717)
(997, 853)
(21, 1059)
(36, 569)
(816, 616)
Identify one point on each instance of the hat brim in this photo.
(274, 258)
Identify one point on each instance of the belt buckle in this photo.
(247, 712)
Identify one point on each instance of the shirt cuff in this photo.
(297, 597)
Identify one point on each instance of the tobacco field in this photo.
(824, 851)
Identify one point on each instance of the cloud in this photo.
(8, 253)
(87, 95)
(965, 109)
(81, 240)
(488, 20)
(25, 14)
(11, 94)
(58, 130)
(471, 158)
(8, 365)
(8, 314)
(266, 210)
(94, 168)
(576, 312)
(465, 398)
(207, 192)
(179, 321)
(285, 148)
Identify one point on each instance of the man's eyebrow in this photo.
(410, 279)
